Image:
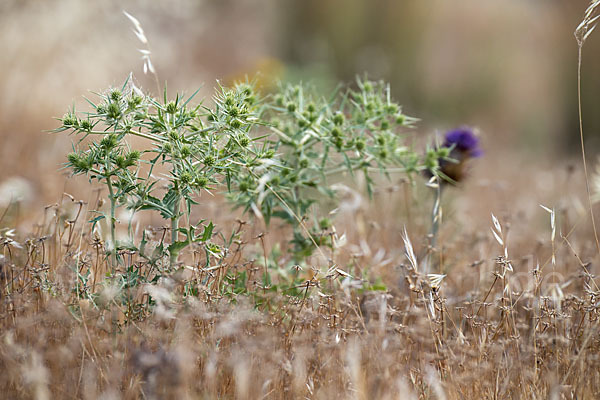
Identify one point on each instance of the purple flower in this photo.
(464, 143)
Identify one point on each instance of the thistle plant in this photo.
(317, 142)
(460, 145)
(447, 165)
(198, 146)
(282, 169)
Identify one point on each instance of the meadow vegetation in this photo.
(293, 245)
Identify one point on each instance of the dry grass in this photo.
(516, 316)
(486, 332)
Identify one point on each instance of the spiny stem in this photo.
(130, 227)
(113, 204)
(134, 133)
(174, 232)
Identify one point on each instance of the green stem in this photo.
(435, 214)
(139, 134)
(370, 169)
(130, 227)
(113, 205)
(174, 232)
(435, 224)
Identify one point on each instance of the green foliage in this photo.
(283, 168)
(313, 142)
(200, 147)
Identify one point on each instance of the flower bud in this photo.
(325, 223)
(171, 108)
(185, 151)
(113, 111)
(201, 182)
(116, 95)
(360, 144)
(338, 118)
(85, 125)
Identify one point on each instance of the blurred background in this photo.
(507, 67)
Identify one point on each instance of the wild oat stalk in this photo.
(146, 53)
(583, 31)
